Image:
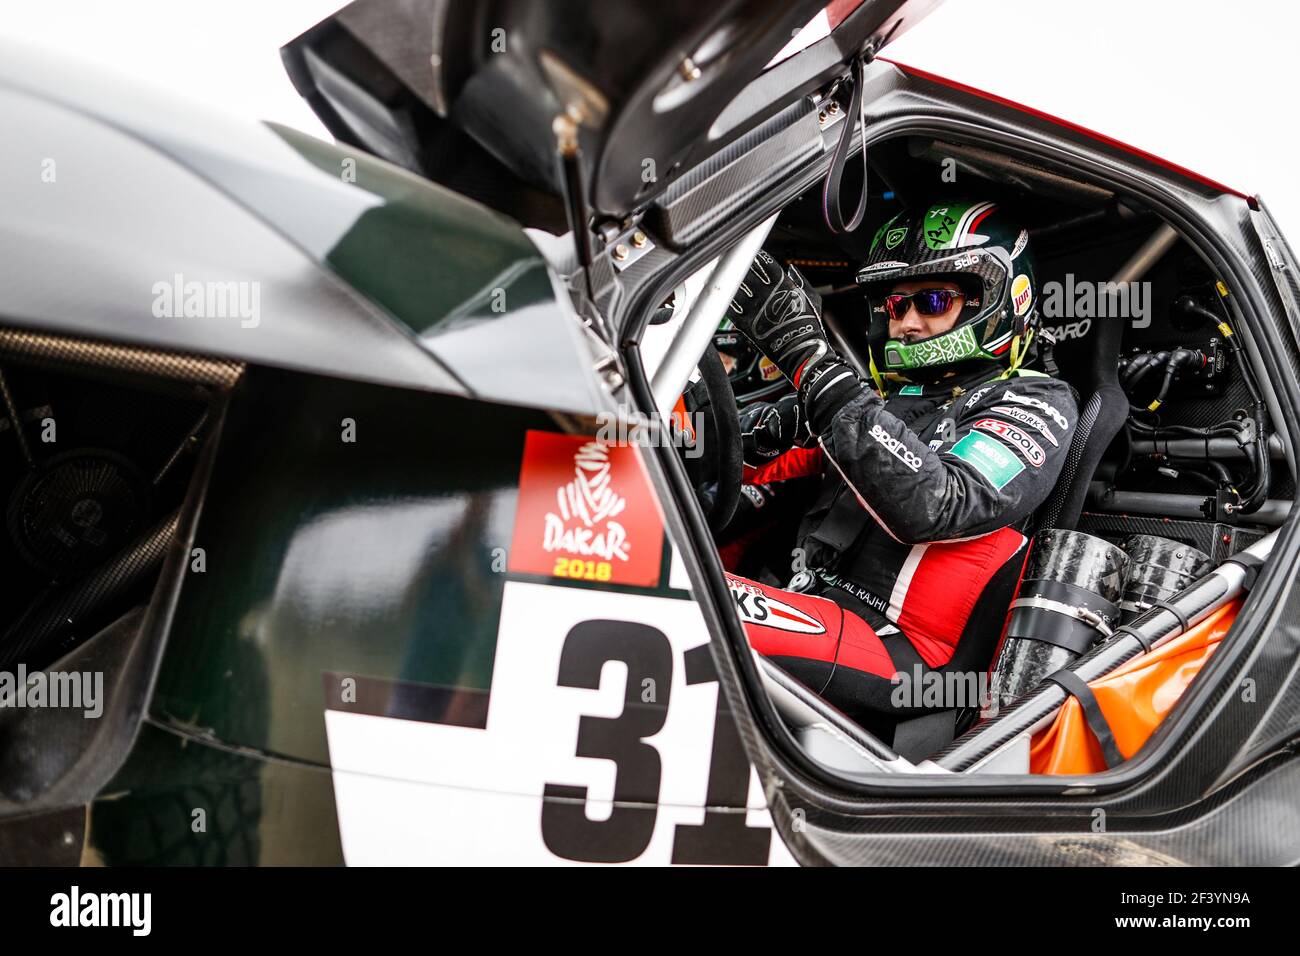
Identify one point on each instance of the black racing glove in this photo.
(769, 429)
(779, 312)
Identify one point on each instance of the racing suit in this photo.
(913, 549)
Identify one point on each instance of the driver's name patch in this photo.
(992, 459)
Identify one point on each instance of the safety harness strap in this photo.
(1075, 686)
(845, 520)
(903, 653)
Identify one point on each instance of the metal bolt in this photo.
(690, 72)
(621, 251)
(638, 239)
(821, 117)
(833, 108)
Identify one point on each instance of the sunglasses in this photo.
(927, 302)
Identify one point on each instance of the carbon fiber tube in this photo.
(1157, 569)
(57, 351)
(43, 633)
(1272, 513)
(1079, 570)
(674, 371)
(1196, 602)
(1219, 447)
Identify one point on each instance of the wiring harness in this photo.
(1249, 430)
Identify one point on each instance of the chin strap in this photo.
(875, 373)
(1019, 352)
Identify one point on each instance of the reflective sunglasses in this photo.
(927, 302)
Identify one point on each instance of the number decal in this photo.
(723, 838)
(565, 759)
(625, 834)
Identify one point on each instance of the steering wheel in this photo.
(722, 436)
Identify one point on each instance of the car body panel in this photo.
(360, 269)
(65, 270)
(655, 89)
(387, 639)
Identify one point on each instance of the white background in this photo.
(1207, 84)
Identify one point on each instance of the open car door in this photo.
(483, 95)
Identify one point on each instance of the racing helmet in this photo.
(975, 246)
(754, 377)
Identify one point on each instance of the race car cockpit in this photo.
(1159, 440)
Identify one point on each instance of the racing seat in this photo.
(1103, 409)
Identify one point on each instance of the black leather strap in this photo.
(1056, 626)
(831, 210)
(1073, 595)
(1074, 685)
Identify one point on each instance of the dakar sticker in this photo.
(756, 607)
(895, 236)
(1021, 294)
(586, 511)
(1029, 449)
(992, 459)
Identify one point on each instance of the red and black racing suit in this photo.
(913, 547)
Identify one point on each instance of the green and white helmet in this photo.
(974, 246)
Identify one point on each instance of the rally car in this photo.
(386, 487)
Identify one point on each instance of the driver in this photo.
(910, 556)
